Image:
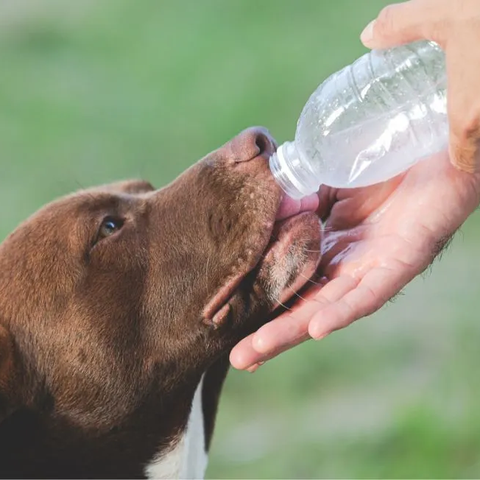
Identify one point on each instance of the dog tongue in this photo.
(290, 207)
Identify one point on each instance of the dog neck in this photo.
(166, 439)
(187, 457)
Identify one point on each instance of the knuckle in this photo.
(434, 20)
(349, 314)
(465, 125)
(464, 155)
(471, 127)
(386, 21)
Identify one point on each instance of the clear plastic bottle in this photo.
(369, 122)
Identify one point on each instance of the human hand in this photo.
(455, 26)
(376, 240)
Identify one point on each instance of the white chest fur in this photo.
(187, 458)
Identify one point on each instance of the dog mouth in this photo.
(290, 207)
(287, 261)
(292, 254)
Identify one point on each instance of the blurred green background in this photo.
(94, 91)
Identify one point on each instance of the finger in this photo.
(291, 328)
(243, 355)
(463, 70)
(374, 290)
(407, 22)
(285, 332)
(266, 357)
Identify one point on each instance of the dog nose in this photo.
(252, 143)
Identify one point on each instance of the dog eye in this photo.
(108, 227)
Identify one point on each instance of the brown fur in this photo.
(103, 341)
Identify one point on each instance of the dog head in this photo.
(116, 292)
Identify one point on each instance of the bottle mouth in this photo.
(282, 166)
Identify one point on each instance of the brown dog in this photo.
(118, 303)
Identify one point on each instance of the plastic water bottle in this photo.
(369, 122)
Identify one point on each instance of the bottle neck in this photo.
(288, 170)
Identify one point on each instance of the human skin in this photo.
(378, 238)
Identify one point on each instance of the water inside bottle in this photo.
(383, 146)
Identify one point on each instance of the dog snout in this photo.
(253, 143)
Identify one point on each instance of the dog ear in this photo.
(8, 373)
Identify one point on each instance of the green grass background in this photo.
(94, 91)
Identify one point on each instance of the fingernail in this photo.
(367, 35)
(464, 159)
(255, 367)
(317, 334)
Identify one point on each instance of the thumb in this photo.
(464, 102)
(406, 22)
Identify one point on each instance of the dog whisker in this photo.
(207, 268)
(297, 294)
(310, 280)
(283, 305)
